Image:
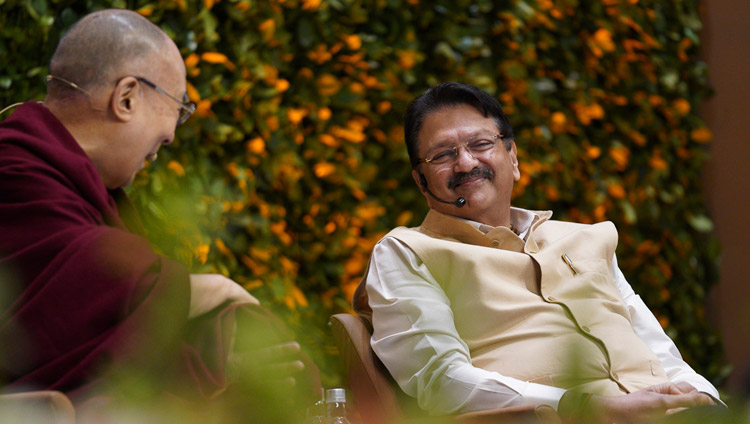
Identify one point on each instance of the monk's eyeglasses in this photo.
(186, 106)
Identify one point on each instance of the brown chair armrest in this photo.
(42, 407)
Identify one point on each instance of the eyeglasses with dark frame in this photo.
(475, 146)
(186, 106)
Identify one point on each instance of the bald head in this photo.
(116, 80)
(102, 46)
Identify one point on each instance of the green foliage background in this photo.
(294, 165)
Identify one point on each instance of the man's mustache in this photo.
(476, 172)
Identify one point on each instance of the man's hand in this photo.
(637, 407)
(277, 365)
(209, 291)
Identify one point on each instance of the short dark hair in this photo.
(450, 94)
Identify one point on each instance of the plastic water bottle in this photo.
(316, 414)
(336, 406)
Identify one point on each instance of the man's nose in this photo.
(465, 158)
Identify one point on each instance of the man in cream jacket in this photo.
(486, 305)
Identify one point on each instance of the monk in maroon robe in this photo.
(82, 294)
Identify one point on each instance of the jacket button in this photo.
(495, 243)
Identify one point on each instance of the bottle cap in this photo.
(335, 395)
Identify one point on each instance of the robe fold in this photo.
(81, 290)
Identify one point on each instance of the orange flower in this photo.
(685, 43)
(310, 4)
(328, 85)
(617, 191)
(323, 169)
(272, 122)
(358, 194)
(320, 55)
(353, 42)
(203, 108)
(586, 113)
(354, 265)
(279, 229)
(356, 88)
(407, 58)
(600, 212)
(370, 81)
(552, 193)
(637, 138)
(557, 122)
(328, 140)
(201, 252)
(384, 107)
(146, 10)
(282, 85)
(701, 135)
(330, 227)
(596, 111)
(175, 167)
(404, 218)
(602, 38)
(262, 255)
(299, 297)
(620, 100)
(657, 162)
(593, 152)
(256, 146)
(192, 60)
(621, 156)
(217, 58)
(663, 321)
(223, 248)
(192, 93)
(289, 266)
(348, 134)
(369, 212)
(324, 113)
(243, 6)
(655, 100)
(682, 106)
(295, 116)
(267, 28)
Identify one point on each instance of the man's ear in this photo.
(513, 154)
(420, 180)
(125, 99)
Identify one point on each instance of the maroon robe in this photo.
(81, 290)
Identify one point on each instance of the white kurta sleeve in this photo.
(647, 327)
(415, 337)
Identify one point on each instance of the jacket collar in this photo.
(472, 232)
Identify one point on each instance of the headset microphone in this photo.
(459, 203)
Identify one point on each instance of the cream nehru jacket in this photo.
(526, 313)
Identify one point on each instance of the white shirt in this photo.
(415, 336)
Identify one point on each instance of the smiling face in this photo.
(484, 179)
